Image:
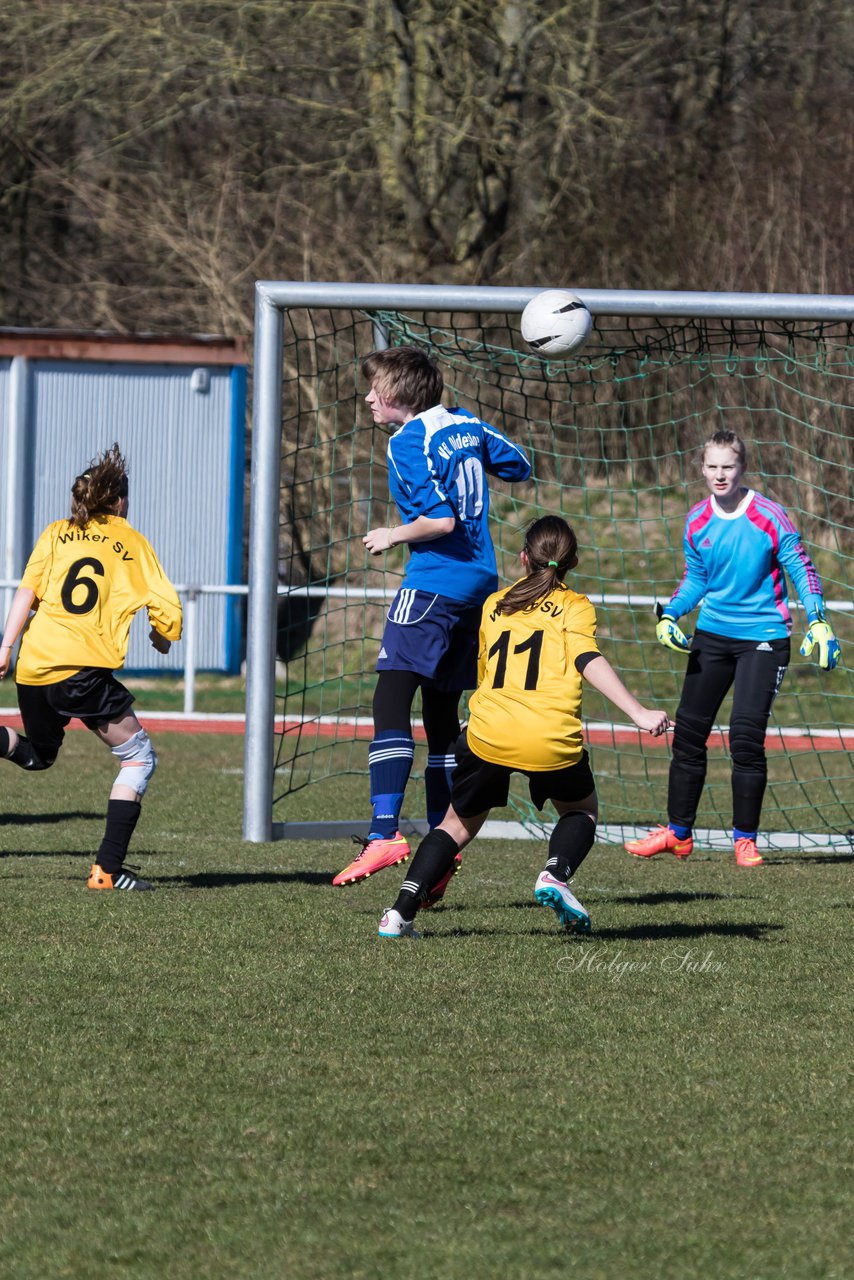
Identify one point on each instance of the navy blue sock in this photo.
(389, 763)
(743, 835)
(437, 785)
(681, 833)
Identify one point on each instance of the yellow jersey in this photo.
(526, 710)
(89, 583)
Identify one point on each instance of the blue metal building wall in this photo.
(5, 365)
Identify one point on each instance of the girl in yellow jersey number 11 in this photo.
(537, 646)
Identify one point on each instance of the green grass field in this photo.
(234, 1077)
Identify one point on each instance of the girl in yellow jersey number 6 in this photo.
(86, 578)
(537, 642)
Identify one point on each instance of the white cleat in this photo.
(557, 895)
(393, 925)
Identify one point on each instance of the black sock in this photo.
(433, 858)
(22, 754)
(569, 844)
(122, 817)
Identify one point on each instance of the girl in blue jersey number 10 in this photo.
(438, 461)
(737, 544)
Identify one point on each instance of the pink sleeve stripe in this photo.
(762, 522)
(698, 518)
(775, 511)
(769, 528)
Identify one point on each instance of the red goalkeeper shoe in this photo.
(375, 854)
(661, 840)
(746, 853)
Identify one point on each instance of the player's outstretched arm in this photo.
(23, 602)
(422, 529)
(603, 677)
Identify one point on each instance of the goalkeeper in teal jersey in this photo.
(737, 546)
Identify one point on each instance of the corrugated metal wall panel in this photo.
(5, 365)
(177, 442)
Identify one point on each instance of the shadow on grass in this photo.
(47, 853)
(659, 899)
(654, 932)
(642, 899)
(810, 858)
(232, 879)
(640, 932)
(42, 819)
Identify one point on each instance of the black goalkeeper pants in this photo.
(754, 670)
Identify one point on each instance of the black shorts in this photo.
(92, 695)
(477, 785)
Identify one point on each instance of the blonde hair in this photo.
(552, 550)
(406, 376)
(99, 489)
(727, 440)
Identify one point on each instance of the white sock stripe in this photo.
(397, 753)
(411, 886)
(441, 762)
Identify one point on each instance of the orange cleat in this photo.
(375, 855)
(123, 879)
(746, 853)
(661, 840)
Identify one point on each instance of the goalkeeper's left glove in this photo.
(669, 633)
(820, 634)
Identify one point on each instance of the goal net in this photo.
(614, 434)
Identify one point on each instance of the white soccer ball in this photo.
(555, 322)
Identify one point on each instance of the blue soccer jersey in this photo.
(437, 466)
(734, 563)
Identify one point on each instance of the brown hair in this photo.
(405, 375)
(727, 440)
(552, 550)
(100, 488)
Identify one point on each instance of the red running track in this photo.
(596, 734)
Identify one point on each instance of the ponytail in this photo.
(551, 548)
(100, 489)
